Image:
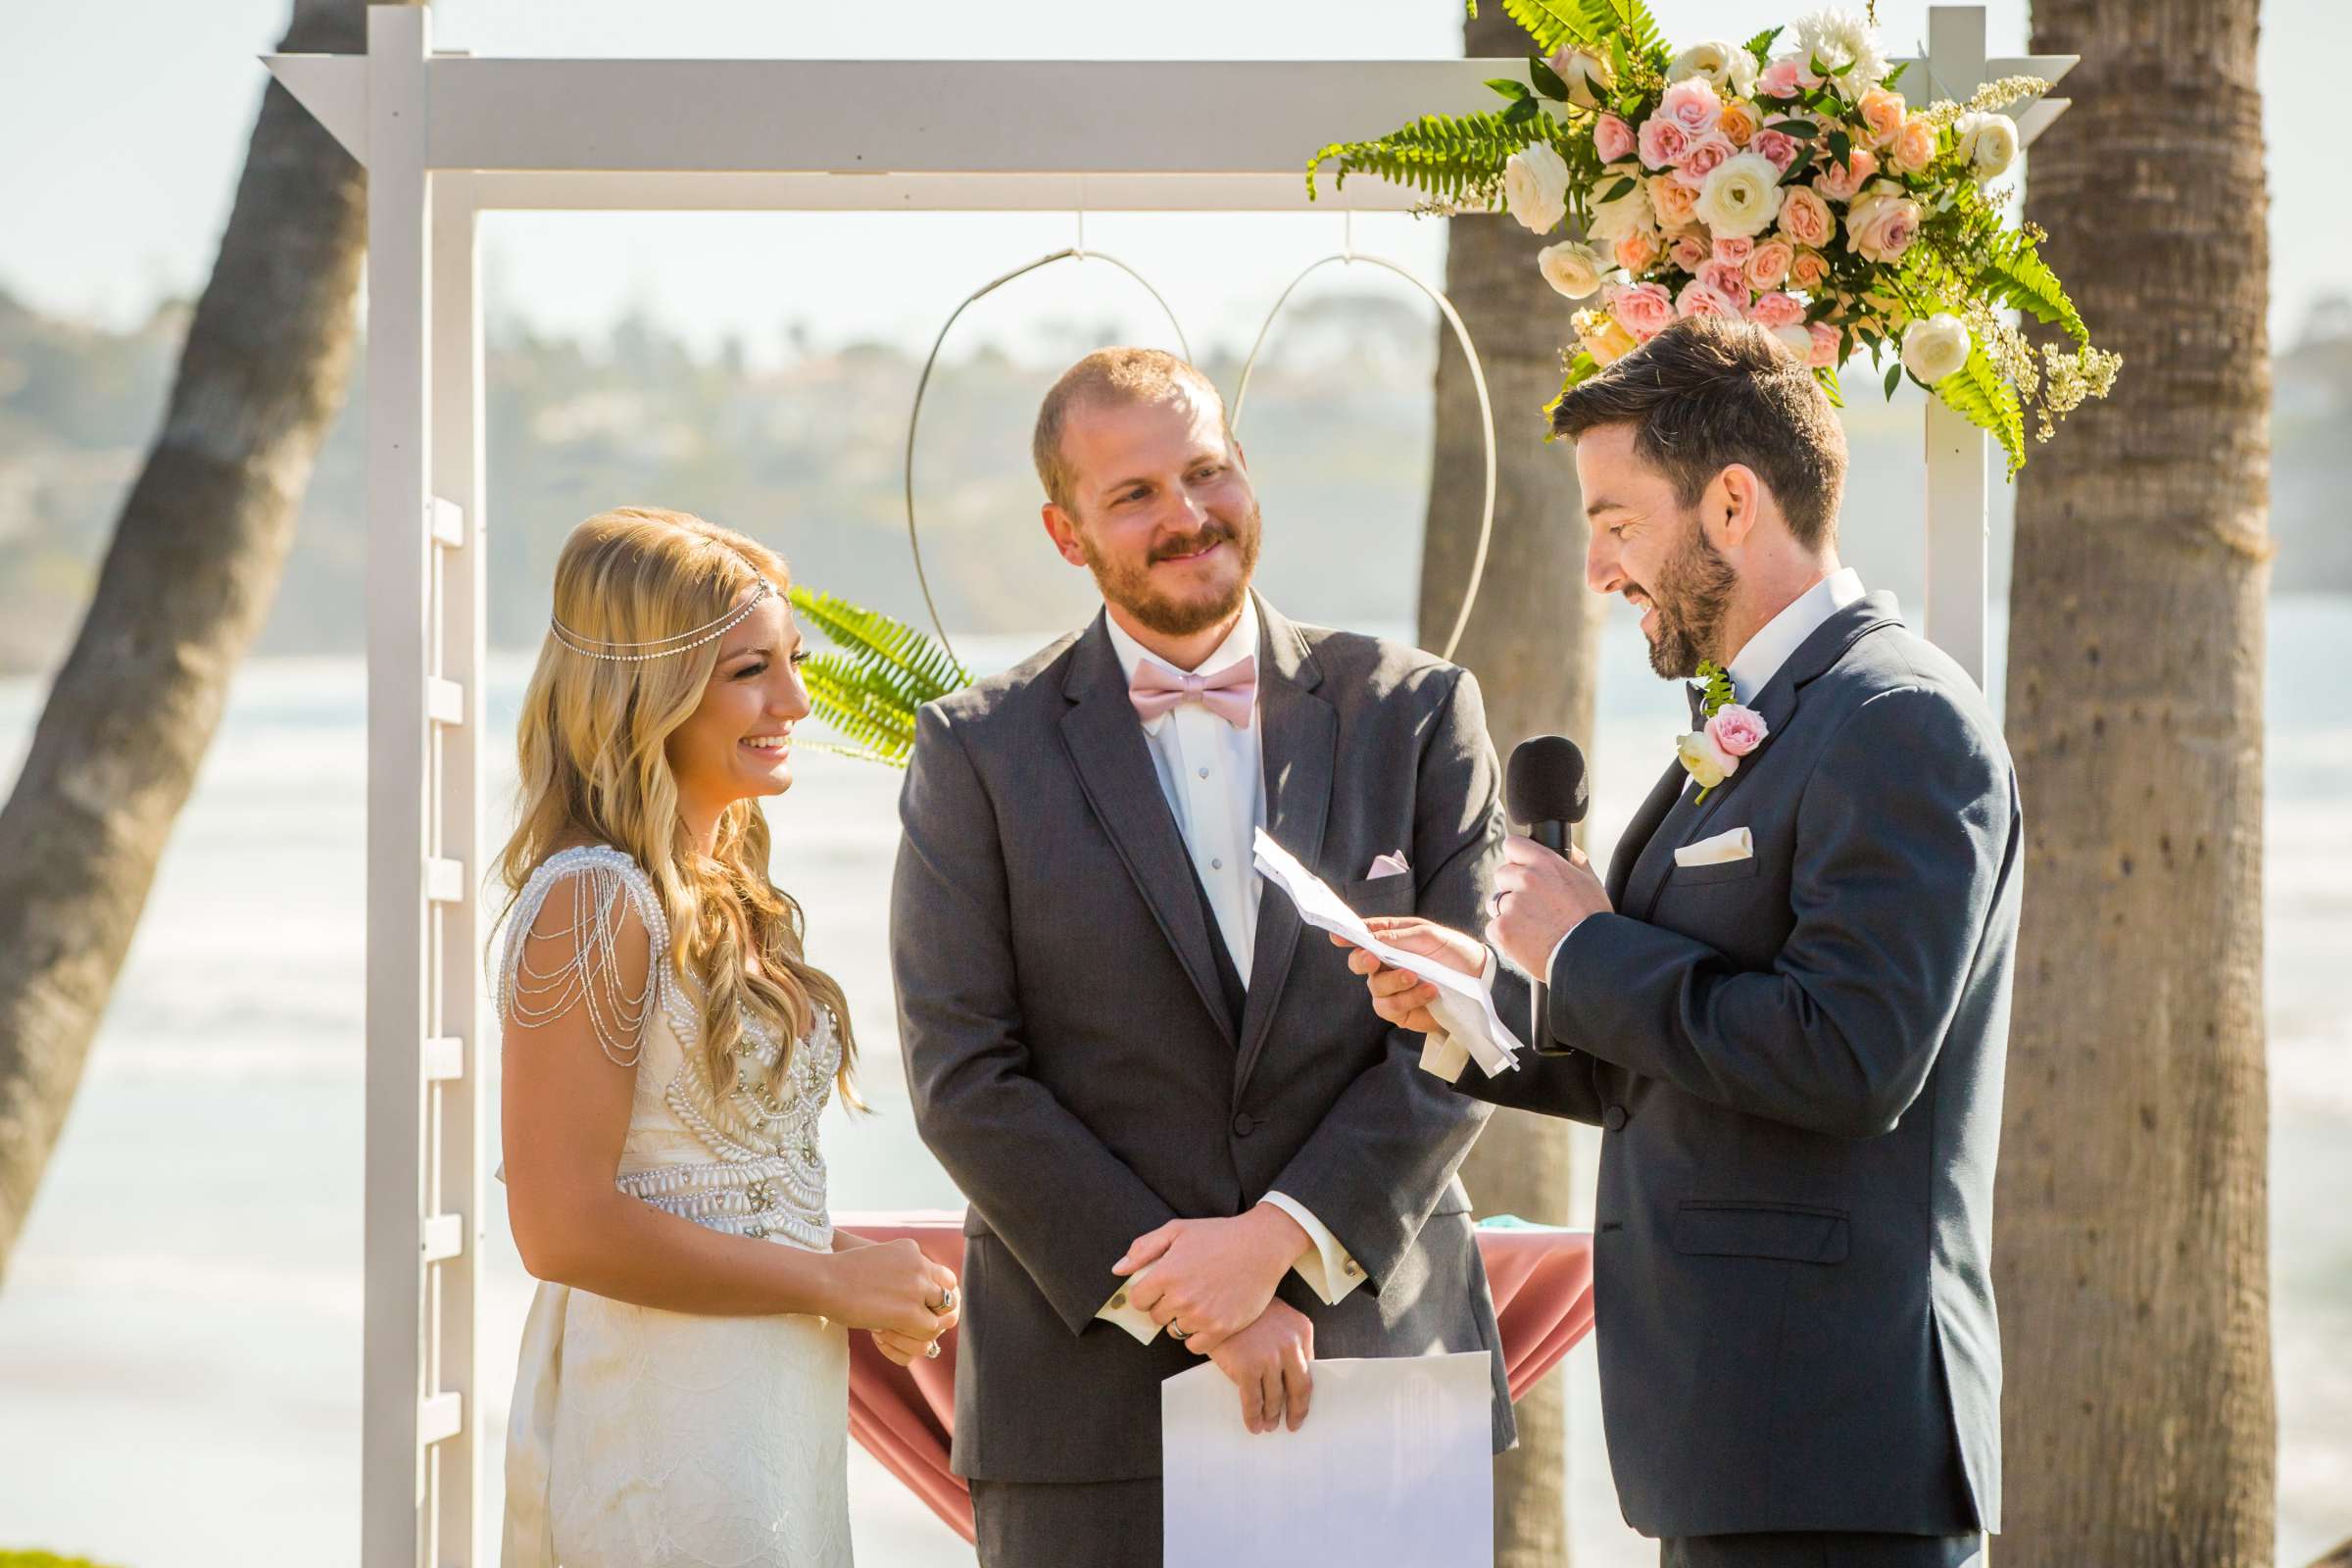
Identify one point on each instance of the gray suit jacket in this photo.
(1798, 1061)
(1076, 1068)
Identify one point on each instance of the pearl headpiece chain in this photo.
(659, 646)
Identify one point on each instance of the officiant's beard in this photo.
(1692, 597)
(1129, 585)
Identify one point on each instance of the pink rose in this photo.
(1882, 228)
(1637, 250)
(1734, 250)
(1805, 218)
(1727, 279)
(1824, 346)
(1644, 310)
(1808, 270)
(1785, 78)
(1690, 253)
(1694, 105)
(1707, 152)
(1768, 264)
(1777, 309)
(1613, 139)
(1696, 299)
(1736, 730)
(1914, 146)
(1839, 182)
(1883, 112)
(1663, 142)
(1672, 200)
(1776, 145)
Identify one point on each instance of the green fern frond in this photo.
(1447, 157)
(869, 686)
(2022, 278)
(1977, 392)
(1587, 24)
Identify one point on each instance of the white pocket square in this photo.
(1388, 866)
(1738, 844)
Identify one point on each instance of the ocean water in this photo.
(179, 1327)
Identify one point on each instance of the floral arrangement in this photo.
(1792, 187)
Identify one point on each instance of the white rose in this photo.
(1614, 220)
(1587, 76)
(1742, 196)
(1797, 340)
(1535, 187)
(1572, 268)
(1935, 348)
(1729, 68)
(1989, 142)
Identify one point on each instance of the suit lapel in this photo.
(1107, 746)
(1642, 828)
(1777, 703)
(1297, 739)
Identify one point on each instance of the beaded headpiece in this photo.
(659, 646)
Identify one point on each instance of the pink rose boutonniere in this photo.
(1713, 753)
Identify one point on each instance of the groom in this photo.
(1787, 1005)
(1181, 1131)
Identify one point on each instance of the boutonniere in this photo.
(1712, 752)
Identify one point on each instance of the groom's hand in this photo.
(1399, 995)
(1211, 1278)
(1270, 1362)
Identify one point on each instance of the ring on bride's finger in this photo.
(931, 1351)
(945, 1302)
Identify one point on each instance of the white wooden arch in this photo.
(445, 138)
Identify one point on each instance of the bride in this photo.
(683, 1390)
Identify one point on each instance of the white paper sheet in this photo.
(1464, 1005)
(1394, 1467)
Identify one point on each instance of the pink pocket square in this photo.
(1388, 866)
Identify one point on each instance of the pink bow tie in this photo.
(1230, 694)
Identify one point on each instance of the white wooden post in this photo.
(1958, 525)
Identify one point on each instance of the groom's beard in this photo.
(1692, 597)
(1130, 587)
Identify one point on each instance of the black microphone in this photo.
(1545, 787)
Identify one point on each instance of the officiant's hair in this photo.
(1711, 391)
(1112, 377)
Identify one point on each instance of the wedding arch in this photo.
(446, 138)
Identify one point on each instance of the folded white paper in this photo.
(1394, 1465)
(1463, 1007)
(1737, 844)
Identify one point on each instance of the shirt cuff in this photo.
(1134, 1319)
(1326, 1267)
(1443, 1056)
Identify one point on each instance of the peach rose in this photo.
(1694, 105)
(1785, 78)
(1735, 249)
(1635, 251)
(1696, 299)
(1882, 111)
(1644, 310)
(1613, 139)
(1824, 346)
(1663, 142)
(1672, 200)
(1808, 270)
(1777, 309)
(1914, 146)
(1880, 227)
(1805, 218)
(1777, 145)
(1840, 180)
(1607, 340)
(1768, 264)
(1740, 120)
(1727, 279)
(1707, 153)
(1690, 253)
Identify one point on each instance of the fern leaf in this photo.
(1586, 24)
(869, 685)
(1447, 157)
(1977, 392)
(2022, 278)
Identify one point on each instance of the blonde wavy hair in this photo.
(594, 768)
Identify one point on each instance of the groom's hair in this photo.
(1112, 377)
(1711, 391)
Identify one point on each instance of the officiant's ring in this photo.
(945, 1302)
(1175, 1333)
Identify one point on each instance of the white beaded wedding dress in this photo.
(643, 1439)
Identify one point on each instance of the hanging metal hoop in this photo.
(1478, 379)
(914, 416)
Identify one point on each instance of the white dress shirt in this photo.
(1213, 775)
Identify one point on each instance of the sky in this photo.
(112, 196)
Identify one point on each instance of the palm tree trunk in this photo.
(1533, 644)
(2132, 1260)
(195, 561)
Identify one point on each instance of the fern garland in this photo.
(869, 685)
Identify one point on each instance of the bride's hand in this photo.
(899, 1349)
(892, 1288)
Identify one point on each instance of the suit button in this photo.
(1613, 1118)
(1244, 1124)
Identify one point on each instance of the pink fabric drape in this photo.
(905, 1416)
